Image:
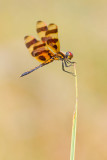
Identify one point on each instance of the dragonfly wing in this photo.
(49, 35)
(41, 28)
(38, 49)
(52, 38)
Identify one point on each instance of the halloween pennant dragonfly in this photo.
(48, 48)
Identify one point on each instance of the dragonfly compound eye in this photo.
(69, 55)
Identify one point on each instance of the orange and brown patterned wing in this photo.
(52, 38)
(30, 42)
(41, 28)
(38, 49)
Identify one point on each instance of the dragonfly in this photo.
(47, 49)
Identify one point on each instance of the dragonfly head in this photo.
(69, 55)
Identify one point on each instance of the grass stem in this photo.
(74, 126)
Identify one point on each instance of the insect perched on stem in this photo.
(48, 48)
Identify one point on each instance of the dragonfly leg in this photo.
(69, 63)
(65, 70)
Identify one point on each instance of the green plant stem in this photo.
(74, 126)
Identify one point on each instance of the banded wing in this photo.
(41, 29)
(38, 49)
(49, 35)
(30, 41)
(46, 49)
(52, 38)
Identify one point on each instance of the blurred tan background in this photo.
(36, 110)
